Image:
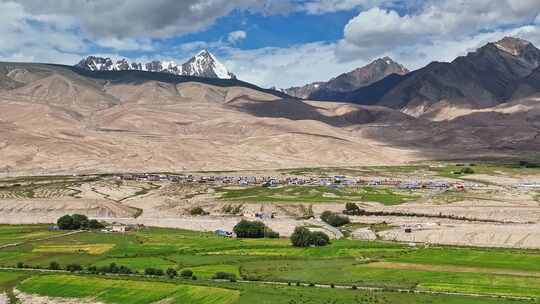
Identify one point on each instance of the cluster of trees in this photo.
(334, 219)
(114, 268)
(254, 230)
(77, 221)
(302, 237)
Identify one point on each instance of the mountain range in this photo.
(495, 73)
(100, 116)
(350, 81)
(203, 64)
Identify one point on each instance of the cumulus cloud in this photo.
(141, 18)
(236, 36)
(437, 19)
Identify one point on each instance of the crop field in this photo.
(316, 194)
(125, 291)
(15, 234)
(495, 272)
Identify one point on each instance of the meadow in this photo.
(392, 266)
(316, 194)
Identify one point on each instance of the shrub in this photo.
(297, 283)
(198, 211)
(334, 219)
(186, 273)
(92, 269)
(74, 267)
(352, 209)
(224, 276)
(302, 237)
(467, 170)
(20, 265)
(311, 284)
(194, 278)
(54, 265)
(253, 229)
(171, 272)
(354, 287)
(332, 285)
(319, 238)
(153, 271)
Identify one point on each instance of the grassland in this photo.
(498, 272)
(315, 194)
(125, 291)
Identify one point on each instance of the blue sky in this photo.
(267, 42)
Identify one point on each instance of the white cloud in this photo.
(381, 28)
(285, 67)
(236, 36)
(317, 7)
(24, 37)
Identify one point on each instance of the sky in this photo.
(271, 43)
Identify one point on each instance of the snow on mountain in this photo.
(204, 64)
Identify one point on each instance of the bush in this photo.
(319, 238)
(20, 265)
(253, 230)
(332, 285)
(194, 278)
(186, 273)
(467, 170)
(153, 271)
(198, 211)
(171, 272)
(352, 209)
(92, 269)
(54, 265)
(74, 267)
(334, 219)
(302, 237)
(224, 276)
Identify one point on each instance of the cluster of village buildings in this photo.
(273, 181)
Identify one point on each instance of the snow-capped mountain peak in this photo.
(204, 64)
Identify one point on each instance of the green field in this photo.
(125, 291)
(316, 194)
(345, 262)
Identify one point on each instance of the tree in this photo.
(54, 265)
(79, 221)
(302, 237)
(352, 209)
(171, 272)
(334, 219)
(186, 273)
(94, 224)
(65, 222)
(253, 229)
